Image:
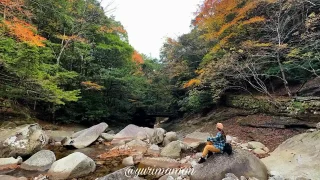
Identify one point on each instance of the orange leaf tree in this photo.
(24, 32)
(222, 20)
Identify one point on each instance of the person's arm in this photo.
(213, 139)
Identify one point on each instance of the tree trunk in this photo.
(284, 79)
(285, 82)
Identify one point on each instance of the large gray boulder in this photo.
(240, 163)
(129, 133)
(88, 136)
(158, 136)
(195, 139)
(41, 161)
(172, 150)
(73, 166)
(22, 140)
(169, 137)
(298, 156)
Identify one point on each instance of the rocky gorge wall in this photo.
(302, 108)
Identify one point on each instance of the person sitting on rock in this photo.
(214, 144)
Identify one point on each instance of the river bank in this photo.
(241, 125)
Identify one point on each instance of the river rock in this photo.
(230, 176)
(158, 136)
(122, 174)
(107, 137)
(159, 162)
(243, 178)
(194, 139)
(10, 161)
(21, 141)
(41, 177)
(128, 161)
(296, 157)
(184, 147)
(169, 177)
(138, 145)
(318, 125)
(240, 163)
(58, 136)
(149, 131)
(76, 134)
(172, 150)
(88, 136)
(231, 139)
(255, 145)
(259, 151)
(169, 137)
(6, 177)
(73, 166)
(40, 161)
(141, 135)
(154, 150)
(129, 133)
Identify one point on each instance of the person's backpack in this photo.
(227, 148)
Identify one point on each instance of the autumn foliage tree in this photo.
(249, 46)
(24, 32)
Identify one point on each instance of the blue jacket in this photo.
(218, 141)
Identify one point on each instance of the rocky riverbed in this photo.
(99, 152)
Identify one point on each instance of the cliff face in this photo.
(302, 108)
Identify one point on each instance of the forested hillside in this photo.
(247, 46)
(69, 62)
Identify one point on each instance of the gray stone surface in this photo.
(88, 136)
(107, 137)
(158, 136)
(297, 156)
(120, 175)
(159, 162)
(6, 177)
(128, 161)
(169, 137)
(10, 161)
(22, 140)
(240, 163)
(58, 136)
(73, 166)
(194, 139)
(40, 161)
(172, 150)
(255, 145)
(129, 133)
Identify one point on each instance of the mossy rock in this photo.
(251, 103)
(8, 124)
(23, 121)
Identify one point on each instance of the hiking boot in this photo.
(202, 160)
(210, 154)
